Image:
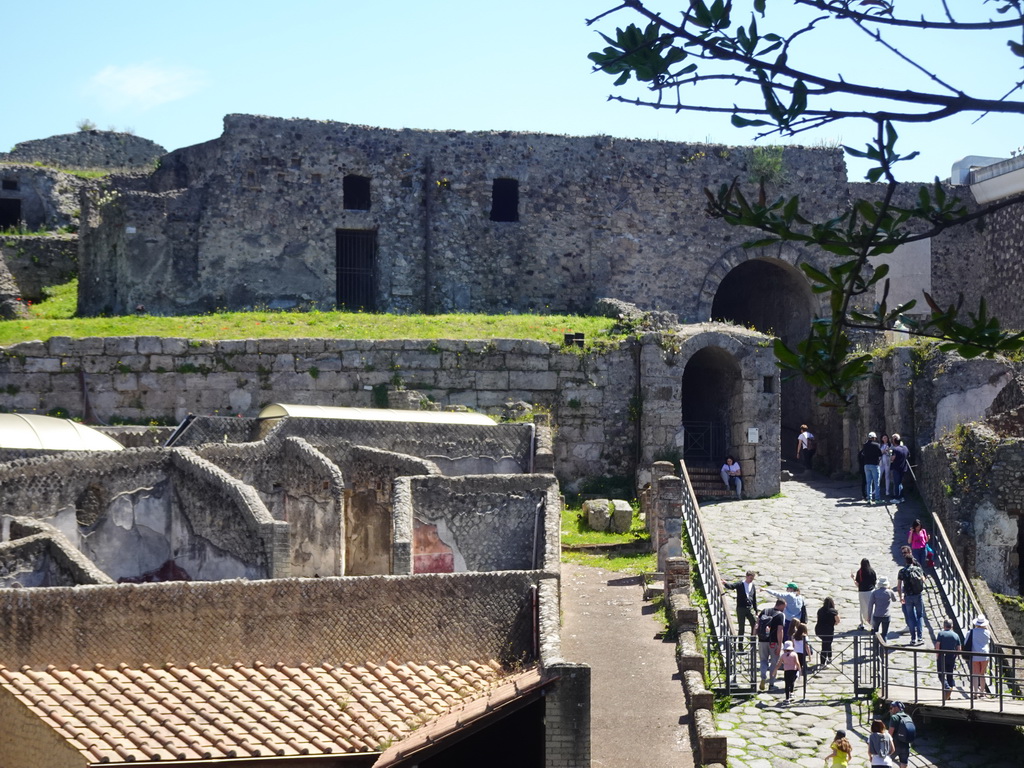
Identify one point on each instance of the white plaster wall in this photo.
(910, 273)
(969, 405)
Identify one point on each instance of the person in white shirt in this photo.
(731, 476)
(806, 445)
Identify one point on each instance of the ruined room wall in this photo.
(316, 621)
(142, 378)
(369, 503)
(597, 217)
(38, 261)
(87, 149)
(471, 523)
(132, 511)
(299, 485)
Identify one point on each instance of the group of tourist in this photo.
(883, 464)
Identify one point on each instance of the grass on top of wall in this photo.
(54, 317)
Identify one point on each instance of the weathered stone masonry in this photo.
(255, 216)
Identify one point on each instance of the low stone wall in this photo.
(292, 621)
(39, 261)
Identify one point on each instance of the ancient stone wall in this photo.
(42, 198)
(474, 523)
(87, 149)
(314, 621)
(260, 217)
(39, 261)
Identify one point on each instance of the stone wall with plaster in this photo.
(38, 261)
(132, 512)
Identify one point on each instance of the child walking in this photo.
(842, 751)
(789, 663)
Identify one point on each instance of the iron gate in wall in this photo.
(703, 442)
(357, 269)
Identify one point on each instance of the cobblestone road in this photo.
(816, 535)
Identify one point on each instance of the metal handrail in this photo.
(711, 579)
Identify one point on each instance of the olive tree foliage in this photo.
(754, 54)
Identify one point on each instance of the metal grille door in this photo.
(357, 269)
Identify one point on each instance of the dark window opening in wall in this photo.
(356, 192)
(769, 384)
(10, 185)
(357, 269)
(10, 213)
(505, 200)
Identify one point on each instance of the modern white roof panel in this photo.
(29, 431)
(280, 410)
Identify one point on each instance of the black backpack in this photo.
(764, 623)
(906, 731)
(913, 579)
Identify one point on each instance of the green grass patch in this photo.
(59, 303)
(634, 564)
(53, 318)
(576, 532)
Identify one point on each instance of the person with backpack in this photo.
(770, 636)
(806, 445)
(796, 606)
(910, 587)
(882, 599)
(903, 732)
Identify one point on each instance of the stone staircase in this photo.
(707, 483)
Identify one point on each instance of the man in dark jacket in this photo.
(746, 603)
(900, 465)
(870, 455)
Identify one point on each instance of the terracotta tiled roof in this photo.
(191, 713)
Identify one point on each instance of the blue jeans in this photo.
(913, 611)
(871, 473)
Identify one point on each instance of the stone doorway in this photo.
(10, 213)
(357, 269)
(712, 383)
(773, 297)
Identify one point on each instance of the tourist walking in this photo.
(881, 606)
(870, 455)
(910, 587)
(801, 644)
(900, 464)
(885, 469)
(865, 580)
(789, 662)
(902, 730)
(746, 603)
(949, 643)
(825, 628)
(770, 636)
(978, 642)
(732, 476)
(918, 538)
(796, 607)
(880, 746)
(841, 752)
(806, 445)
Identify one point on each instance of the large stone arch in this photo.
(763, 288)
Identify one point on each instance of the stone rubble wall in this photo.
(314, 621)
(49, 198)
(39, 261)
(87, 149)
(142, 378)
(598, 217)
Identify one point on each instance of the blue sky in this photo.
(171, 71)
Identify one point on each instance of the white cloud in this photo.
(142, 86)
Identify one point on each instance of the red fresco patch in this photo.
(429, 553)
